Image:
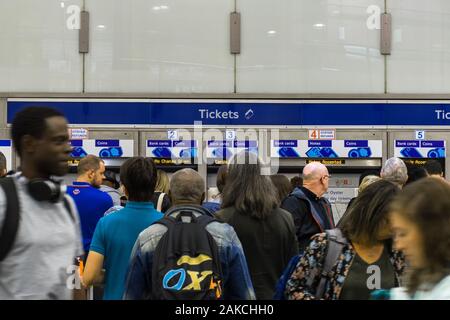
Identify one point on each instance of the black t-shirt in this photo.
(363, 278)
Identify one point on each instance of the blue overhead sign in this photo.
(243, 113)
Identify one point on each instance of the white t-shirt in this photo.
(40, 264)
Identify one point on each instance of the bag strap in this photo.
(160, 201)
(336, 242)
(12, 217)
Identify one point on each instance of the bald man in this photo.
(311, 212)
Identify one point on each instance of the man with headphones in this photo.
(39, 227)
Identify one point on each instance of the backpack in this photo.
(186, 262)
(10, 227)
(336, 242)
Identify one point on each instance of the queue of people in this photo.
(149, 236)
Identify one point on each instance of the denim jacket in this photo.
(237, 283)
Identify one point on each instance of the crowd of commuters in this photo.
(148, 236)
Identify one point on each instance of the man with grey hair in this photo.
(394, 170)
(311, 212)
(187, 192)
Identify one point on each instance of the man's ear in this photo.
(29, 144)
(203, 198)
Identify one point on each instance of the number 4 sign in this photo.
(322, 134)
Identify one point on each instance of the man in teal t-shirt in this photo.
(116, 233)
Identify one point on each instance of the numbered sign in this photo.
(230, 135)
(420, 135)
(313, 134)
(172, 134)
(322, 134)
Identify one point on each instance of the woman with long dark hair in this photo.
(267, 233)
(366, 260)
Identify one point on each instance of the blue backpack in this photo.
(281, 284)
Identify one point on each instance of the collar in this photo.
(311, 195)
(139, 205)
(76, 183)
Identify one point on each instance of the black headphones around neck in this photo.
(46, 190)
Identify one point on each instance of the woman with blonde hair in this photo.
(161, 198)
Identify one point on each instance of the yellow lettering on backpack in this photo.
(195, 285)
(193, 261)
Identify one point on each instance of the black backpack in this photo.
(8, 231)
(186, 262)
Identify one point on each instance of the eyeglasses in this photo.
(326, 176)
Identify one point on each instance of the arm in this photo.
(138, 282)
(93, 272)
(297, 208)
(239, 285)
(312, 260)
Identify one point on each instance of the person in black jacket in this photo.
(267, 233)
(311, 212)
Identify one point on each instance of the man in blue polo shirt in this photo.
(90, 201)
(117, 232)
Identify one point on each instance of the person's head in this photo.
(434, 168)
(138, 178)
(420, 218)
(394, 170)
(316, 178)
(282, 185)
(3, 169)
(187, 187)
(221, 178)
(368, 173)
(162, 182)
(247, 190)
(41, 138)
(110, 179)
(415, 173)
(368, 180)
(296, 182)
(367, 219)
(91, 169)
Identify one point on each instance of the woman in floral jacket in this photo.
(367, 261)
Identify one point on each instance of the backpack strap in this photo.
(160, 201)
(336, 242)
(10, 227)
(298, 193)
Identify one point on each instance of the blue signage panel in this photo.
(248, 113)
(356, 143)
(319, 143)
(107, 143)
(159, 143)
(407, 143)
(285, 143)
(5, 143)
(432, 144)
(76, 143)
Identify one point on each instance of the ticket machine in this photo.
(346, 157)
